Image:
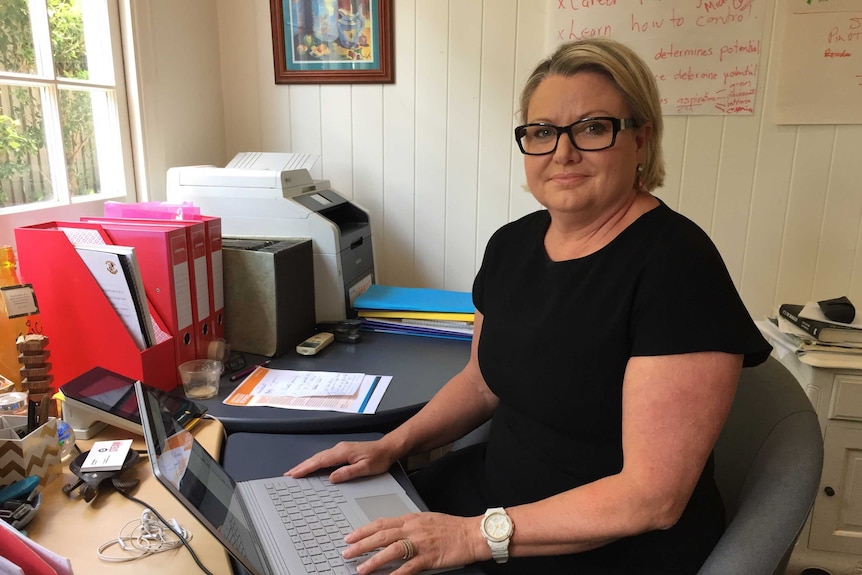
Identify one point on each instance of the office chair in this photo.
(768, 460)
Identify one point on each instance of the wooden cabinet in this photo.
(832, 536)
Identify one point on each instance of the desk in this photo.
(249, 456)
(75, 529)
(419, 367)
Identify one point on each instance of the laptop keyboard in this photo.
(316, 525)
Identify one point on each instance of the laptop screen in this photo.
(198, 481)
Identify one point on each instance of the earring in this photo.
(640, 179)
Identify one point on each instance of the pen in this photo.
(369, 394)
(248, 370)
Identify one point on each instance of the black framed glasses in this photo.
(587, 135)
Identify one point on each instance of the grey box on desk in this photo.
(269, 293)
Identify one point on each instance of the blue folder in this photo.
(414, 299)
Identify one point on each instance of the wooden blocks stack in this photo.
(35, 367)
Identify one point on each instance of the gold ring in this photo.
(409, 551)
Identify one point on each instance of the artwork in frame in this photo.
(332, 41)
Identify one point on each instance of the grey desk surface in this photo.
(419, 367)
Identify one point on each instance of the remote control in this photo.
(315, 343)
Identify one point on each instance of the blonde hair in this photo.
(631, 76)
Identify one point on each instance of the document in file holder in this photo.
(163, 256)
(162, 211)
(85, 329)
(198, 273)
(116, 270)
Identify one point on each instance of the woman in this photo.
(608, 344)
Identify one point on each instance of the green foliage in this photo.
(16, 39)
(67, 39)
(21, 133)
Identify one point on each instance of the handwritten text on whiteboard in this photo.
(705, 54)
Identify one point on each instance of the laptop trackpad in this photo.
(377, 506)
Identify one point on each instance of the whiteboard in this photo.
(705, 54)
(820, 62)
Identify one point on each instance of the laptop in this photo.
(254, 520)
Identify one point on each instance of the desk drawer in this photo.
(846, 397)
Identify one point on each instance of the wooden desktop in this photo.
(75, 529)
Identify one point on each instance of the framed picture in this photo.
(332, 41)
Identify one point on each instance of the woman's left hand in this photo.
(436, 541)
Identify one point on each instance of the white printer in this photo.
(271, 195)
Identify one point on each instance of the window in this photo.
(64, 135)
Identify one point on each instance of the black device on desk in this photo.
(100, 397)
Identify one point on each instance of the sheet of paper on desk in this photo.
(310, 390)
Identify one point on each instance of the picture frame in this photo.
(332, 41)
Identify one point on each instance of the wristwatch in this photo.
(497, 528)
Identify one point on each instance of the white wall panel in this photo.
(394, 248)
(700, 169)
(839, 249)
(306, 127)
(432, 155)
(805, 211)
(367, 147)
(733, 190)
(336, 136)
(273, 103)
(497, 108)
(238, 23)
(675, 130)
(432, 76)
(529, 51)
(462, 141)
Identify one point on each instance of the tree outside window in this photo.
(58, 112)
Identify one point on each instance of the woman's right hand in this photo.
(353, 459)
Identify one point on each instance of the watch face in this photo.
(498, 526)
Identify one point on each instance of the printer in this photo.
(272, 195)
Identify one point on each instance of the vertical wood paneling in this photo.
(530, 49)
(432, 158)
(839, 240)
(242, 123)
(432, 59)
(497, 106)
(367, 146)
(394, 250)
(462, 140)
(767, 215)
(805, 212)
(700, 169)
(733, 191)
(674, 141)
(336, 135)
(306, 121)
(272, 102)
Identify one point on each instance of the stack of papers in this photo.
(311, 390)
(417, 311)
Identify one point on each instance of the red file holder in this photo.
(200, 266)
(83, 328)
(160, 211)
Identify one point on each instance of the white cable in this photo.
(147, 536)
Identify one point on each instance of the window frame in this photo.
(122, 180)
